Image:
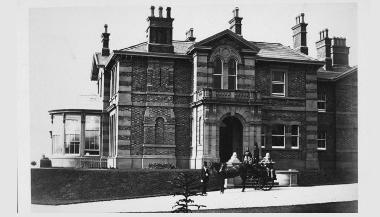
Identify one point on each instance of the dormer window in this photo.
(217, 74)
(232, 71)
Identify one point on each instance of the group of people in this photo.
(249, 159)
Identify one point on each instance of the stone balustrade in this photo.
(241, 96)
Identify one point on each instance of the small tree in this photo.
(185, 185)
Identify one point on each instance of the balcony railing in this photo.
(238, 96)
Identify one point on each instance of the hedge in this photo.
(65, 185)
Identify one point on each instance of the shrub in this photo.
(33, 163)
(185, 185)
(161, 166)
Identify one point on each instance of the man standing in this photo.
(204, 178)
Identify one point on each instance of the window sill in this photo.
(321, 149)
(278, 95)
(295, 148)
(322, 111)
(278, 147)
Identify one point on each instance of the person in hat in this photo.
(204, 178)
(268, 163)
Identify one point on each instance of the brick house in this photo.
(185, 102)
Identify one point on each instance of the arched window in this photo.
(159, 131)
(217, 74)
(232, 71)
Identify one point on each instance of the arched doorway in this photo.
(230, 138)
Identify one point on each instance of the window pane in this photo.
(232, 67)
(294, 141)
(321, 143)
(232, 82)
(279, 76)
(278, 129)
(321, 105)
(217, 81)
(217, 66)
(294, 130)
(277, 141)
(278, 88)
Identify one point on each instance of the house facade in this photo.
(184, 102)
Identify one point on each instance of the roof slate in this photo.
(335, 75)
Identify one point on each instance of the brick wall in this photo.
(326, 122)
(347, 122)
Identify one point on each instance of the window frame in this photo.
(220, 75)
(97, 136)
(324, 132)
(232, 75)
(295, 135)
(79, 135)
(58, 134)
(283, 94)
(322, 98)
(279, 135)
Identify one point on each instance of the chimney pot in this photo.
(152, 11)
(168, 9)
(302, 15)
(236, 12)
(327, 33)
(160, 12)
(105, 28)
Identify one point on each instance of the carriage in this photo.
(255, 175)
(259, 176)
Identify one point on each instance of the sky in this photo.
(62, 40)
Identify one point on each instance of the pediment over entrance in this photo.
(227, 38)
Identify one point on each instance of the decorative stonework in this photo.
(225, 53)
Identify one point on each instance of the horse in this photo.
(256, 172)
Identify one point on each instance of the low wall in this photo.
(68, 185)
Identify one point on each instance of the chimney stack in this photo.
(340, 52)
(160, 31)
(190, 35)
(160, 12)
(235, 22)
(299, 35)
(168, 10)
(105, 41)
(324, 48)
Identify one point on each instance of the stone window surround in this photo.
(225, 53)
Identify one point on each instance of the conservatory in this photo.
(75, 138)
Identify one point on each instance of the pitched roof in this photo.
(279, 51)
(180, 47)
(325, 75)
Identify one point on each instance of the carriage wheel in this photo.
(268, 184)
(257, 184)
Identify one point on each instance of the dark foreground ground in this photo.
(335, 207)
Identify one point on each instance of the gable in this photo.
(226, 37)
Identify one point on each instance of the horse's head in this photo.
(215, 166)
